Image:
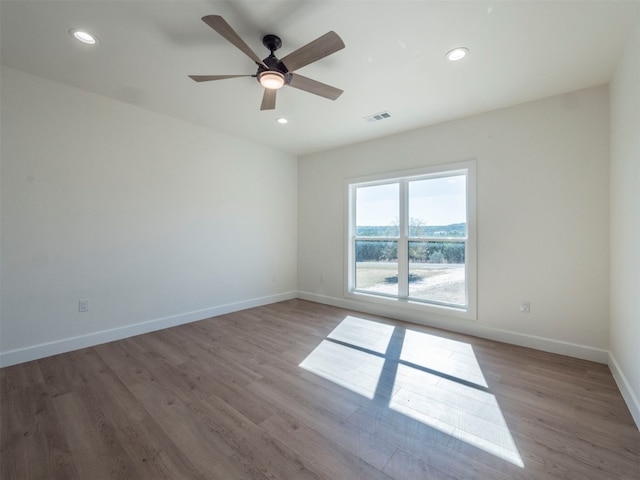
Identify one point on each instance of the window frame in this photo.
(468, 168)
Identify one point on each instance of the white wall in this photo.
(150, 218)
(542, 211)
(625, 224)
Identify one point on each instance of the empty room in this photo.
(305, 239)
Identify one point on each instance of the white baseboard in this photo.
(625, 388)
(471, 328)
(35, 352)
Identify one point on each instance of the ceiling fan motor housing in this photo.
(273, 43)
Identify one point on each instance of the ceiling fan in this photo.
(274, 73)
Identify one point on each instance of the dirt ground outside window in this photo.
(427, 281)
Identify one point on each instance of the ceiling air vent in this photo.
(376, 117)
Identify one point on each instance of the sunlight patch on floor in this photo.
(363, 333)
(352, 369)
(433, 380)
(464, 412)
(446, 356)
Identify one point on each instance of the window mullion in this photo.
(403, 245)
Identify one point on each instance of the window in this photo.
(412, 239)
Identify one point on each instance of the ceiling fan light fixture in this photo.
(457, 54)
(271, 80)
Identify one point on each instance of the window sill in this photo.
(413, 306)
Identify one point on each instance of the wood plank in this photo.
(33, 441)
(299, 412)
(403, 466)
(205, 447)
(327, 457)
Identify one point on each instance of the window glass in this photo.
(377, 210)
(438, 207)
(377, 267)
(437, 272)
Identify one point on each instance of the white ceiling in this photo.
(394, 59)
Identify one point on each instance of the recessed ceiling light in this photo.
(83, 36)
(457, 54)
(282, 120)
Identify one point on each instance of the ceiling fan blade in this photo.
(268, 99)
(321, 47)
(208, 78)
(221, 26)
(315, 87)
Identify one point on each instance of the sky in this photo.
(434, 201)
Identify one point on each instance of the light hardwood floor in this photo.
(298, 390)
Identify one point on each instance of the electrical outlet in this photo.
(83, 305)
(525, 306)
